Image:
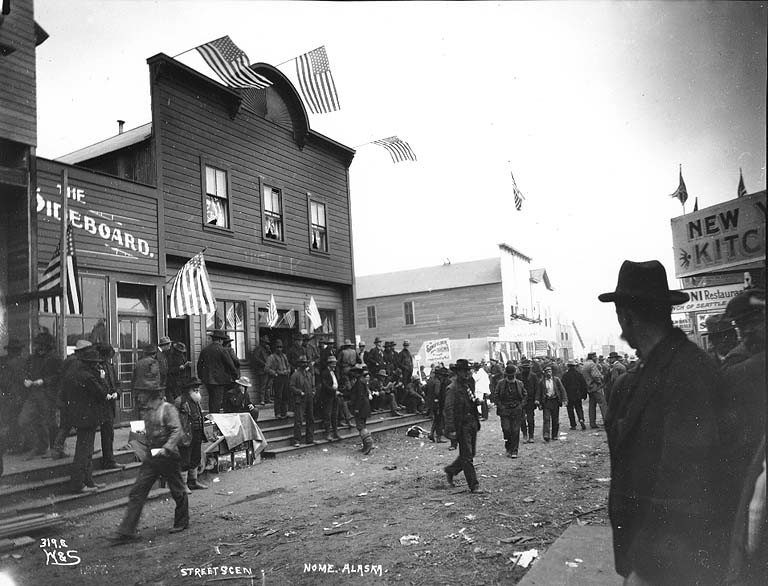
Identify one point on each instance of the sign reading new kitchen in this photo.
(724, 236)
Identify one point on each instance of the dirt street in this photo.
(334, 516)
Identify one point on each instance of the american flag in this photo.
(316, 81)
(681, 192)
(272, 315)
(519, 198)
(398, 149)
(313, 314)
(191, 293)
(741, 191)
(290, 318)
(52, 280)
(231, 64)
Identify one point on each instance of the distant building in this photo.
(492, 308)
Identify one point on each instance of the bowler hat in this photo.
(219, 335)
(163, 341)
(644, 282)
(461, 364)
(89, 354)
(745, 304)
(191, 383)
(718, 324)
(243, 381)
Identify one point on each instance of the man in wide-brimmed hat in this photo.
(668, 501)
(462, 423)
(360, 404)
(330, 395)
(216, 369)
(374, 358)
(191, 418)
(163, 430)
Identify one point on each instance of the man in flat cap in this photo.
(666, 502)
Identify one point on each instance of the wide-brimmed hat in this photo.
(302, 360)
(191, 383)
(180, 346)
(572, 363)
(219, 334)
(613, 355)
(644, 282)
(718, 324)
(376, 340)
(406, 343)
(89, 354)
(14, 344)
(510, 370)
(525, 362)
(82, 344)
(745, 304)
(347, 342)
(243, 381)
(356, 370)
(163, 341)
(461, 364)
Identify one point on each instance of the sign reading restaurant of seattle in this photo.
(111, 228)
(727, 235)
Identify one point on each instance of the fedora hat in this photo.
(180, 346)
(510, 370)
(356, 370)
(219, 334)
(613, 354)
(644, 282)
(376, 340)
(163, 341)
(347, 343)
(89, 354)
(461, 364)
(243, 381)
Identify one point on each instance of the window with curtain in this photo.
(318, 237)
(230, 317)
(273, 214)
(216, 197)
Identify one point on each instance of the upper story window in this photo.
(318, 228)
(410, 318)
(371, 314)
(216, 197)
(273, 214)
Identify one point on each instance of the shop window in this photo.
(318, 228)
(216, 197)
(91, 325)
(273, 214)
(410, 318)
(371, 313)
(230, 317)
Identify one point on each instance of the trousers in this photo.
(82, 464)
(596, 398)
(280, 390)
(467, 440)
(304, 410)
(527, 422)
(510, 428)
(579, 411)
(551, 411)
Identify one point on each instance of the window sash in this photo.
(408, 312)
(371, 314)
(216, 182)
(230, 316)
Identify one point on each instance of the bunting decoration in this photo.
(313, 314)
(272, 315)
(741, 191)
(191, 293)
(681, 193)
(231, 64)
(398, 149)
(316, 83)
(51, 281)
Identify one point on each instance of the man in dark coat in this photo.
(374, 358)
(107, 428)
(163, 353)
(330, 392)
(279, 369)
(436, 401)
(360, 404)
(509, 397)
(462, 422)
(404, 361)
(576, 391)
(12, 395)
(550, 396)
(216, 369)
(179, 370)
(259, 357)
(666, 503)
(302, 386)
(192, 424)
(86, 392)
(530, 382)
(616, 369)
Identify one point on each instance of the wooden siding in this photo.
(120, 211)
(134, 163)
(475, 312)
(255, 289)
(190, 124)
(18, 106)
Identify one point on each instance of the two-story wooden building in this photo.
(19, 37)
(237, 173)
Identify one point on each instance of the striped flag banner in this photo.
(191, 293)
(316, 81)
(519, 198)
(51, 280)
(398, 149)
(313, 314)
(231, 64)
(272, 315)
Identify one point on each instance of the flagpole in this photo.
(184, 52)
(284, 62)
(62, 329)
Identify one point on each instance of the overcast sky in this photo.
(592, 105)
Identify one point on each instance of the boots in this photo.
(193, 482)
(367, 441)
(184, 481)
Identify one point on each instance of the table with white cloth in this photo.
(230, 433)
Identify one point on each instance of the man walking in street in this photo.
(594, 378)
(550, 396)
(576, 391)
(509, 397)
(667, 503)
(216, 369)
(530, 382)
(462, 424)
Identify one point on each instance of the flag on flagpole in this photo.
(696, 204)
(191, 293)
(398, 149)
(313, 71)
(272, 315)
(681, 193)
(51, 280)
(313, 315)
(519, 198)
(231, 64)
(741, 190)
(289, 318)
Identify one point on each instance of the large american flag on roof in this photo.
(231, 64)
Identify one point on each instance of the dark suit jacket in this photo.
(666, 501)
(215, 365)
(460, 411)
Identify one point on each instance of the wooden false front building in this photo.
(238, 173)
